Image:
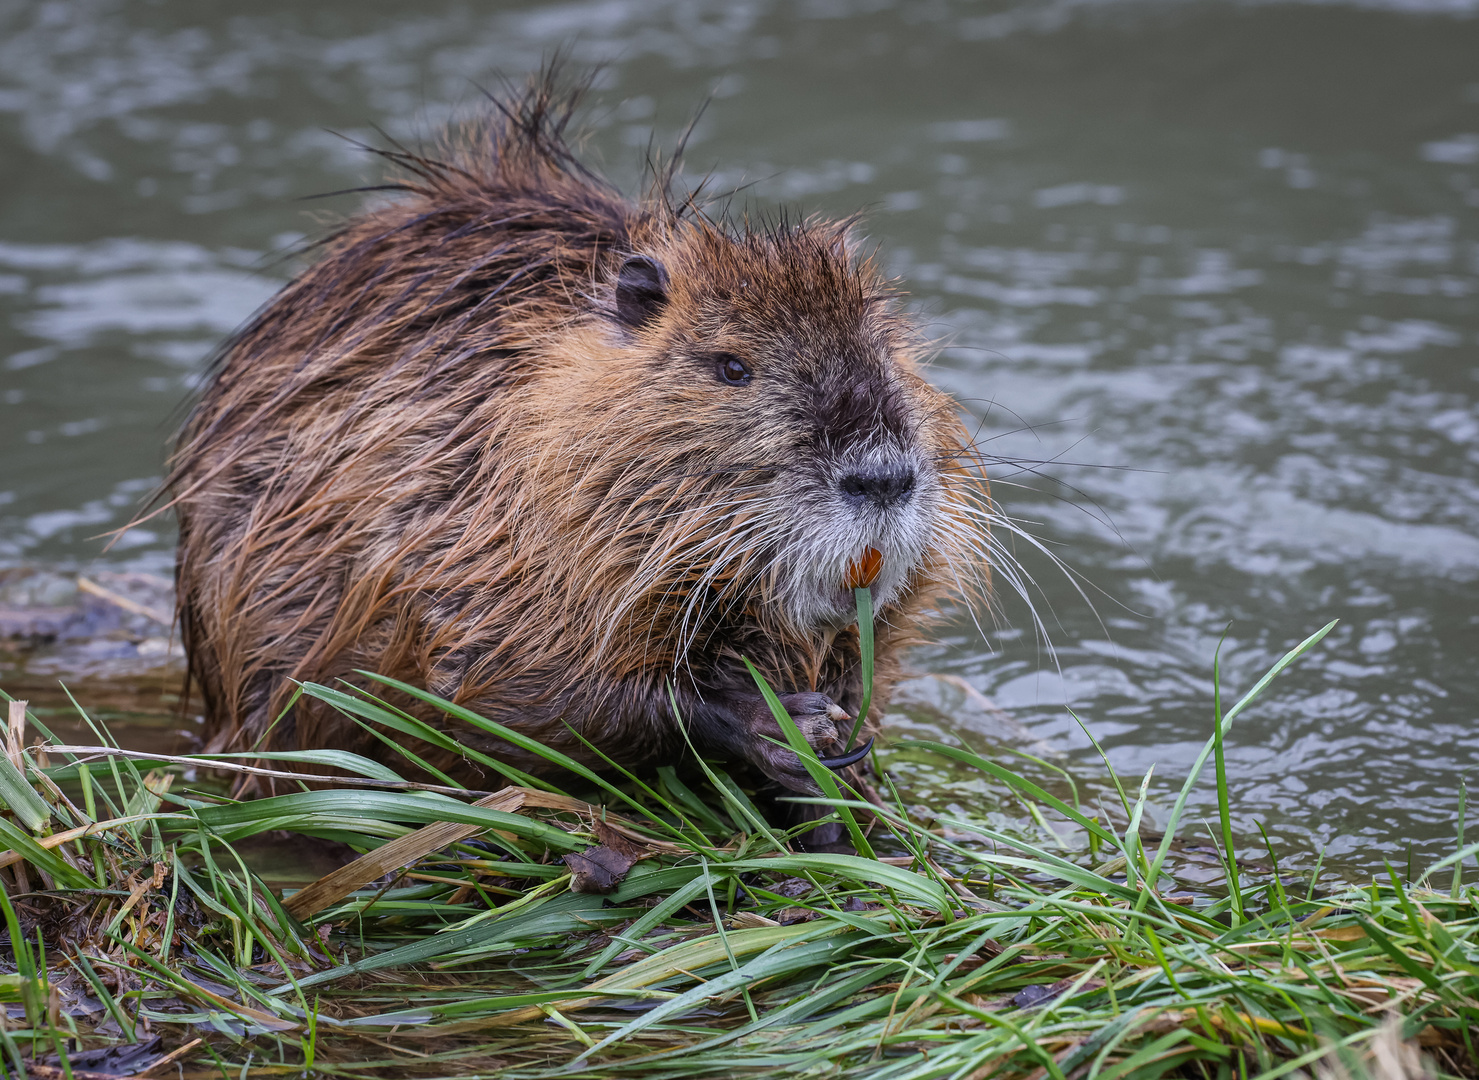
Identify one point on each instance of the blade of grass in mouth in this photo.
(864, 597)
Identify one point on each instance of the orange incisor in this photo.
(863, 570)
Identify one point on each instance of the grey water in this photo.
(1203, 273)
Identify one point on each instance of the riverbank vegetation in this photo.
(657, 927)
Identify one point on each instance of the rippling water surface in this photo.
(1206, 274)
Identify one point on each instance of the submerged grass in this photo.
(465, 939)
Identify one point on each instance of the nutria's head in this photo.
(749, 422)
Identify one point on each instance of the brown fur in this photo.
(441, 455)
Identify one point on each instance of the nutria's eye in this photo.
(731, 369)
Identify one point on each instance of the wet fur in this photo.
(440, 454)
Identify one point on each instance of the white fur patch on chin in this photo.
(817, 598)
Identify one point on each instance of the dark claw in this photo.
(852, 757)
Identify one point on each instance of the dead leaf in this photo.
(598, 869)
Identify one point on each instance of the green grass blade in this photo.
(1201, 762)
(915, 887)
(344, 760)
(777, 961)
(421, 808)
(1224, 809)
(371, 709)
(1018, 783)
(864, 599)
(655, 915)
(822, 776)
(20, 798)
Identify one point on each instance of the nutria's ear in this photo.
(641, 290)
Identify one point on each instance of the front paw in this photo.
(823, 725)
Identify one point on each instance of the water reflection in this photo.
(1203, 272)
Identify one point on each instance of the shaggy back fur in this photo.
(447, 454)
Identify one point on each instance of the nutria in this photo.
(555, 454)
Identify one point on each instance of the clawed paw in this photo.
(823, 724)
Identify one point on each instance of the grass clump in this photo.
(662, 927)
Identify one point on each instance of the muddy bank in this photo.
(109, 639)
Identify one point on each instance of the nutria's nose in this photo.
(881, 485)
